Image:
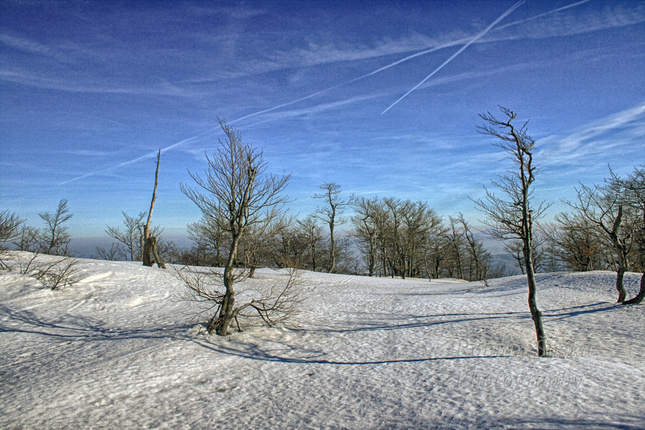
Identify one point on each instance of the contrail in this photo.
(541, 15)
(141, 158)
(467, 42)
(452, 57)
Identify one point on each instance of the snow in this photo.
(119, 350)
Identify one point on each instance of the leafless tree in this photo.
(27, 239)
(237, 193)
(113, 253)
(130, 239)
(605, 207)
(331, 214)
(54, 237)
(312, 236)
(56, 274)
(9, 226)
(150, 248)
(9, 230)
(209, 243)
(456, 248)
(395, 235)
(274, 303)
(366, 231)
(478, 257)
(577, 242)
(514, 215)
(635, 187)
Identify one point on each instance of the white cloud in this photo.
(620, 130)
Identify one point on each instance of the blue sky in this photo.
(381, 97)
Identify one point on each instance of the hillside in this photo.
(118, 350)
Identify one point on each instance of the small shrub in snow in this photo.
(52, 272)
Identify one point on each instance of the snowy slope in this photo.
(117, 350)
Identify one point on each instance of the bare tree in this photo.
(312, 235)
(456, 248)
(331, 214)
(54, 237)
(27, 239)
(237, 193)
(366, 231)
(635, 187)
(113, 253)
(577, 242)
(478, 257)
(130, 239)
(395, 236)
(513, 217)
(605, 207)
(209, 243)
(150, 249)
(9, 230)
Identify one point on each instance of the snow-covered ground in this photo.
(116, 350)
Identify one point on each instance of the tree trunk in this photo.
(620, 286)
(227, 310)
(147, 252)
(332, 251)
(641, 294)
(155, 254)
(536, 315)
(150, 244)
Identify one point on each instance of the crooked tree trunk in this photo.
(620, 286)
(536, 315)
(621, 251)
(227, 309)
(150, 243)
(150, 254)
(641, 294)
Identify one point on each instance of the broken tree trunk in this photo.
(150, 246)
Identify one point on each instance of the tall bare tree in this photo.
(238, 193)
(54, 237)
(635, 187)
(514, 215)
(150, 249)
(606, 208)
(366, 231)
(331, 214)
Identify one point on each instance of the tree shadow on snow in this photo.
(417, 321)
(574, 311)
(291, 354)
(74, 327)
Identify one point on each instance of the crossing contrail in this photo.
(453, 56)
(467, 42)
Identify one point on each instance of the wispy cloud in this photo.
(621, 130)
(278, 111)
(25, 45)
(586, 21)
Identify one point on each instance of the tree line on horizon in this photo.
(388, 237)
(244, 226)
